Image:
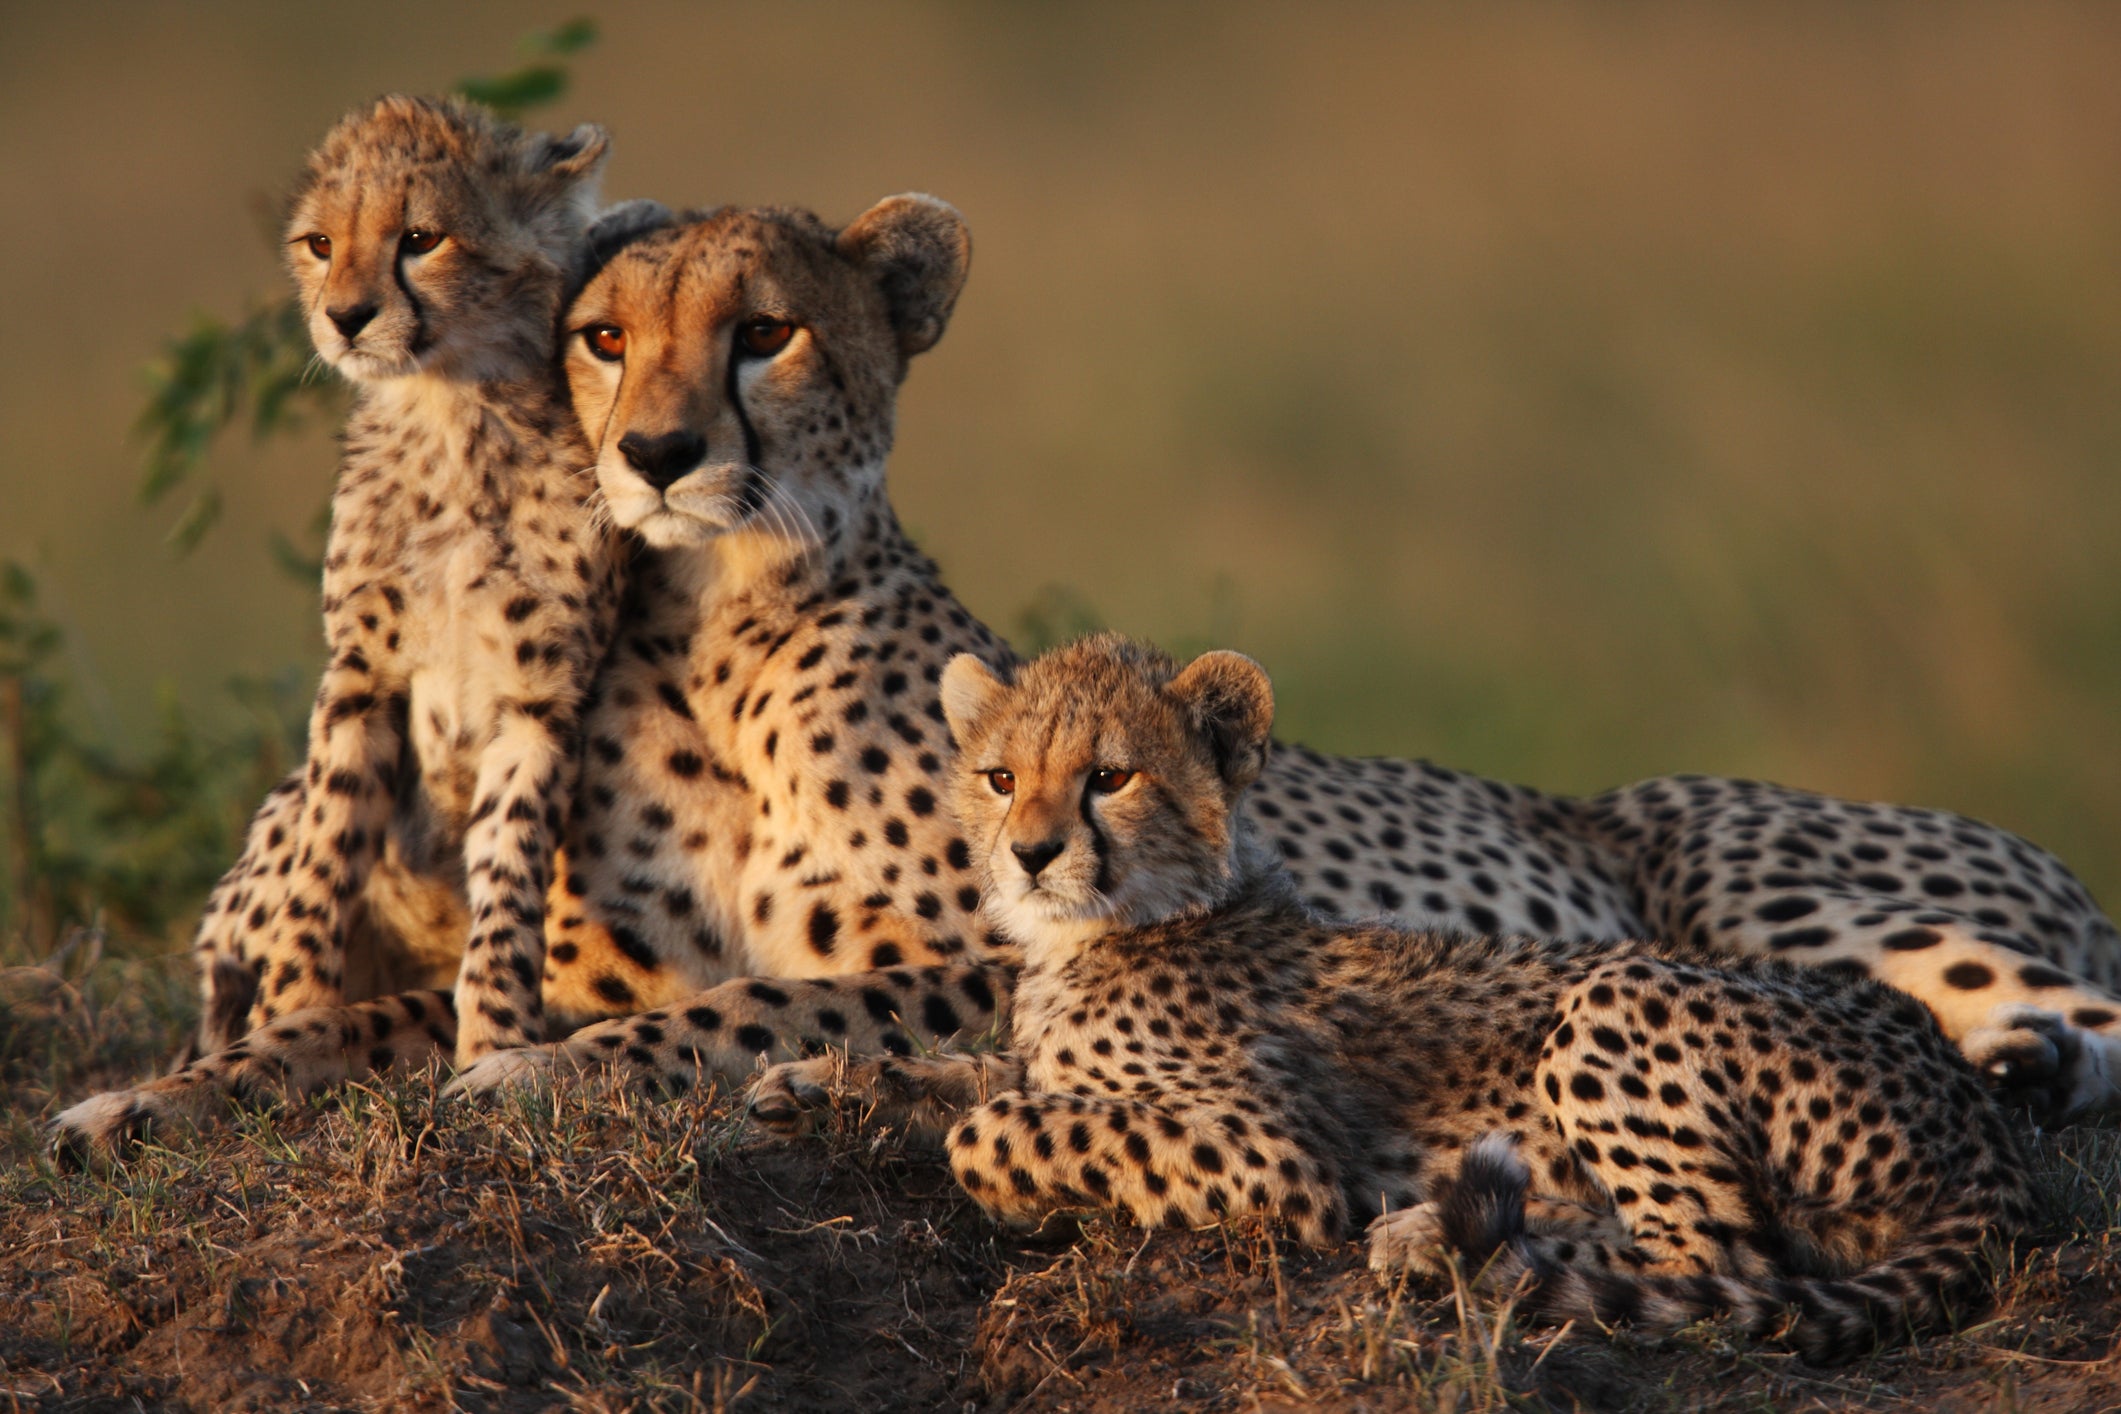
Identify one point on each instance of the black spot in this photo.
(1969, 976)
(939, 1016)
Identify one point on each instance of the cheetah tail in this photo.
(1482, 1214)
(1826, 1320)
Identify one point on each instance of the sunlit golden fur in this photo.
(1186, 742)
(510, 209)
(861, 300)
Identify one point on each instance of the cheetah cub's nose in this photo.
(351, 319)
(1035, 857)
(662, 460)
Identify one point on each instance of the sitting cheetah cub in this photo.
(470, 589)
(1650, 1138)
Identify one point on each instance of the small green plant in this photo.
(93, 839)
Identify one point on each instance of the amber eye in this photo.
(417, 242)
(764, 338)
(1105, 780)
(1004, 782)
(606, 341)
(319, 246)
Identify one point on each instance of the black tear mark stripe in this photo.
(1099, 845)
(421, 340)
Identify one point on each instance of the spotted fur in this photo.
(1650, 1138)
(766, 756)
(470, 590)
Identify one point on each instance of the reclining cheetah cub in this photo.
(470, 590)
(760, 794)
(1653, 1139)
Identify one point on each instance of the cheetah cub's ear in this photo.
(969, 688)
(579, 154)
(1230, 703)
(917, 250)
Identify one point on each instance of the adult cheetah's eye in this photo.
(319, 245)
(1004, 782)
(1106, 781)
(606, 341)
(764, 338)
(419, 242)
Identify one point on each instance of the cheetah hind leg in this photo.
(298, 1055)
(2035, 1059)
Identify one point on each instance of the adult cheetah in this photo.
(760, 804)
(1652, 1139)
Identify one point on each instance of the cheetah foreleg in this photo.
(1026, 1157)
(723, 1033)
(507, 866)
(924, 1094)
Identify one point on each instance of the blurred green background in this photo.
(1566, 393)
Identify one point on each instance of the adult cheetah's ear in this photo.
(918, 250)
(969, 687)
(1230, 702)
(579, 154)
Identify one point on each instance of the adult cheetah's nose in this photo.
(1035, 857)
(351, 319)
(662, 460)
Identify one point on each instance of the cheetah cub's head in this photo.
(739, 369)
(428, 235)
(1099, 786)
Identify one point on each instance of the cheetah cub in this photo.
(1649, 1138)
(470, 589)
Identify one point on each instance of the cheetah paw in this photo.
(497, 1071)
(2033, 1057)
(1411, 1239)
(789, 1096)
(99, 1130)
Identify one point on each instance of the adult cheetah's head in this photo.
(1099, 785)
(428, 235)
(737, 370)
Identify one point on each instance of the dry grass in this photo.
(583, 1250)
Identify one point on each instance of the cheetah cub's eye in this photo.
(1003, 782)
(419, 242)
(1106, 780)
(764, 338)
(319, 245)
(606, 341)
